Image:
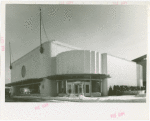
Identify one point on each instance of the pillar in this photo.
(13, 91)
(57, 88)
(90, 87)
(66, 87)
(105, 87)
(82, 88)
(100, 82)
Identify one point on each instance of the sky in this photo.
(120, 30)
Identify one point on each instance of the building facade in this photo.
(63, 69)
(142, 61)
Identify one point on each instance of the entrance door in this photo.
(87, 89)
(78, 88)
(69, 88)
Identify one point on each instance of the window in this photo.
(23, 71)
(96, 86)
(87, 88)
(76, 88)
(61, 86)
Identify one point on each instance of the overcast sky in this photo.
(114, 29)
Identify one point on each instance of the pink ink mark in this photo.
(36, 108)
(69, 2)
(113, 115)
(43, 106)
(121, 114)
(62, 2)
(123, 3)
(3, 48)
(2, 40)
(66, 2)
(115, 3)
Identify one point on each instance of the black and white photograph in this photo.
(68, 53)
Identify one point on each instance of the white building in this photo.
(63, 69)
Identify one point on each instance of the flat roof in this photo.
(140, 58)
(21, 82)
(78, 76)
(60, 77)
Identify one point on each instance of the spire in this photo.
(41, 48)
(10, 56)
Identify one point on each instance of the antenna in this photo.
(10, 56)
(41, 48)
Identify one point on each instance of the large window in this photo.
(61, 87)
(30, 89)
(87, 89)
(96, 86)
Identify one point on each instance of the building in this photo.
(142, 61)
(63, 69)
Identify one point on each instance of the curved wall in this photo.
(78, 61)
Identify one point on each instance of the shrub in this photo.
(138, 88)
(110, 93)
(114, 90)
(143, 88)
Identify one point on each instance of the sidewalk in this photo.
(86, 99)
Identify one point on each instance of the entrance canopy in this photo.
(60, 77)
(79, 76)
(23, 82)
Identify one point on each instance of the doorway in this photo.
(79, 88)
(87, 89)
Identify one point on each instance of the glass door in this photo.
(78, 88)
(69, 88)
(87, 89)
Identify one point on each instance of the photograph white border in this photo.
(70, 111)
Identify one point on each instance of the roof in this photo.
(79, 76)
(28, 81)
(140, 58)
(59, 77)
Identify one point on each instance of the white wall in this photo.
(37, 65)
(122, 72)
(48, 87)
(78, 62)
(57, 48)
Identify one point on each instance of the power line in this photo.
(44, 29)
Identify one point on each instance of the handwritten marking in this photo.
(119, 115)
(66, 2)
(122, 3)
(2, 40)
(36, 108)
(3, 48)
(113, 115)
(115, 3)
(43, 106)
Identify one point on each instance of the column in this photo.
(105, 87)
(101, 85)
(90, 87)
(82, 88)
(57, 87)
(73, 89)
(66, 87)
